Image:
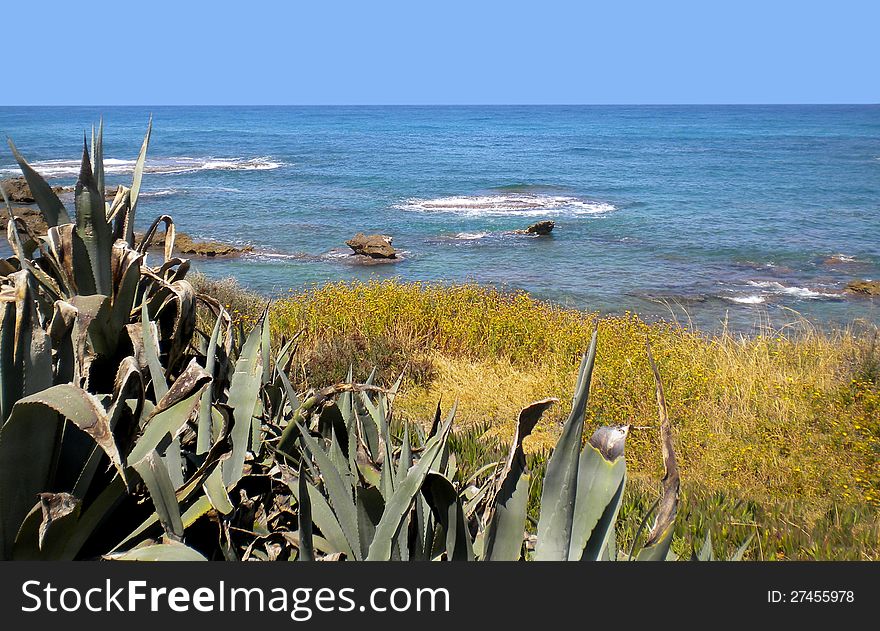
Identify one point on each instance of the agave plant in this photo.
(102, 374)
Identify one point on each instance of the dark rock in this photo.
(542, 228)
(376, 246)
(864, 287)
(18, 191)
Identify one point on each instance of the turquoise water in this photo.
(704, 213)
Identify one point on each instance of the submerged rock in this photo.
(375, 246)
(864, 287)
(540, 228)
(842, 260)
(18, 191)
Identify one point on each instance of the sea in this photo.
(743, 217)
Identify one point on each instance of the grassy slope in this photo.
(778, 432)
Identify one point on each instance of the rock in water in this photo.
(186, 245)
(18, 191)
(376, 246)
(864, 287)
(542, 227)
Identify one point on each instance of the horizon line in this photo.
(622, 104)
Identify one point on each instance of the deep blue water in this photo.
(707, 212)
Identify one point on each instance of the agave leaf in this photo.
(436, 424)
(370, 505)
(98, 156)
(446, 508)
(203, 439)
(602, 544)
(29, 442)
(126, 272)
(172, 412)
(399, 503)
(71, 254)
(660, 538)
(508, 506)
(170, 551)
(151, 350)
(51, 208)
(47, 528)
(264, 331)
(405, 460)
(304, 519)
(367, 430)
(338, 490)
(705, 553)
(128, 386)
(25, 349)
(560, 481)
(137, 176)
(741, 551)
(244, 389)
(180, 301)
(48, 289)
(154, 473)
(292, 399)
(92, 226)
(216, 492)
(601, 474)
(340, 459)
(81, 408)
(170, 235)
(174, 463)
(10, 380)
(324, 518)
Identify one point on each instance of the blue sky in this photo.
(420, 52)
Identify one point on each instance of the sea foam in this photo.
(525, 204)
(162, 166)
(746, 300)
(797, 292)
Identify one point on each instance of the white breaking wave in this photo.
(527, 204)
(163, 193)
(746, 300)
(471, 236)
(166, 166)
(798, 292)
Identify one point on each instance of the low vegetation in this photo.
(777, 432)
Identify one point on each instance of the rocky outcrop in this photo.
(541, 228)
(18, 191)
(864, 287)
(186, 245)
(375, 246)
(183, 243)
(31, 217)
